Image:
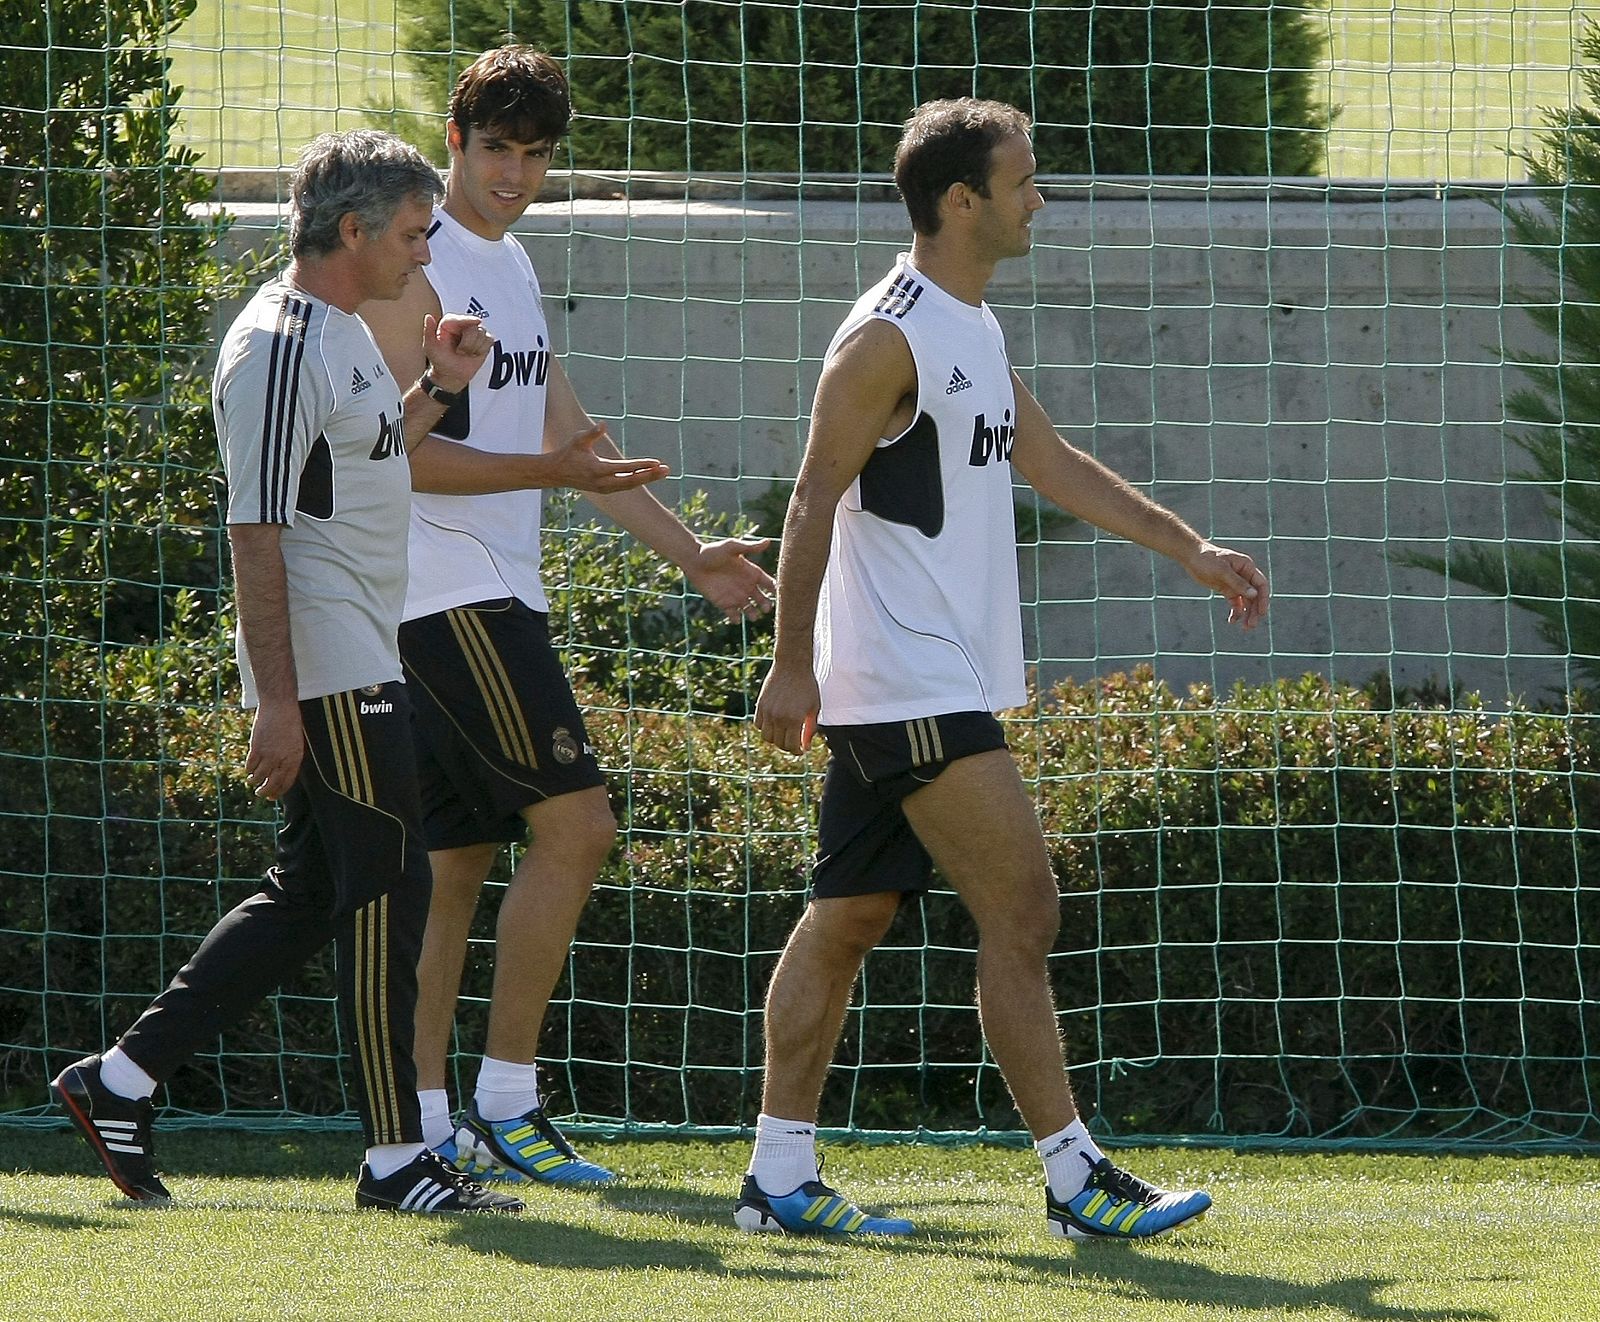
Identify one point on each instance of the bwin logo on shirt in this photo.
(391, 439)
(959, 381)
(521, 365)
(992, 443)
(376, 708)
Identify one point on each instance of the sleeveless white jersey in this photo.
(309, 422)
(482, 547)
(919, 613)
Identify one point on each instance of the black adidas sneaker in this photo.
(429, 1183)
(117, 1128)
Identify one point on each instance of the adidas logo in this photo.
(120, 1135)
(358, 383)
(425, 1196)
(476, 309)
(959, 381)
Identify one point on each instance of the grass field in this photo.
(1438, 89)
(268, 1231)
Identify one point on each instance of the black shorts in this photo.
(496, 724)
(352, 828)
(865, 845)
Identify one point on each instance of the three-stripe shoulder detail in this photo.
(289, 337)
(900, 297)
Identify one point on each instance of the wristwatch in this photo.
(433, 390)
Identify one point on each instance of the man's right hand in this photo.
(574, 464)
(786, 711)
(277, 746)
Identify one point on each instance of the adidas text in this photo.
(959, 381)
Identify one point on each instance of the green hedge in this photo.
(1288, 910)
(822, 88)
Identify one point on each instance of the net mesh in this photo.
(1327, 882)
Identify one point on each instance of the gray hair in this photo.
(365, 171)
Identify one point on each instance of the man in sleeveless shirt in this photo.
(899, 636)
(501, 741)
(314, 432)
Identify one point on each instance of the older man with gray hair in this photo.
(314, 435)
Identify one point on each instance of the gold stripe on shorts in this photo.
(499, 697)
(351, 768)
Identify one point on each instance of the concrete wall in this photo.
(1316, 375)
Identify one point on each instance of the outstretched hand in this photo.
(1235, 576)
(725, 576)
(455, 346)
(577, 466)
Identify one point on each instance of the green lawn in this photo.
(268, 1231)
(1437, 89)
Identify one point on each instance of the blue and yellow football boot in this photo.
(525, 1150)
(812, 1209)
(1117, 1205)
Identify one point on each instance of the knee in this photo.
(581, 827)
(1028, 925)
(851, 927)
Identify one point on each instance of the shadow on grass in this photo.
(557, 1244)
(716, 1211)
(1137, 1277)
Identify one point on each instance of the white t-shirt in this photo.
(482, 547)
(919, 613)
(312, 437)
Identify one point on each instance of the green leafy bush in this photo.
(822, 88)
(1555, 416)
(109, 533)
(1291, 909)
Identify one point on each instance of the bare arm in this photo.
(411, 343)
(720, 570)
(861, 394)
(1082, 485)
(277, 736)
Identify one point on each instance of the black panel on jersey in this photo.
(902, 482)
(457, 420)
(315, 500)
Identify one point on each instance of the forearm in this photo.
(448, 468)
(643, 516)
(261, 594)
(802, 563)
(1083, 486)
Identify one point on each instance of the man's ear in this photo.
(351, 230)
(958, 197)
(454, 139)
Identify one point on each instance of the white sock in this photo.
(1069, 1155)
(506, 1089)
(119, 1073)
(785, 1155)
(437, 1123)
(386, 1158)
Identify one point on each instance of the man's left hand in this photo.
(723, 574)
(1235, 576)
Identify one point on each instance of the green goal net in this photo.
(1327, 882)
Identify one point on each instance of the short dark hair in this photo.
(365, 171)
(950, 142)
(515, 91)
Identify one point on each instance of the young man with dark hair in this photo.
(314, 434)
(898, 637)
(501, 741)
